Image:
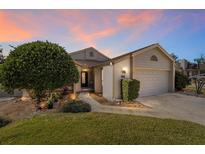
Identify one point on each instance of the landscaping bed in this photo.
(191, 90)
(16, 109)
(119, 103)
(100, 128)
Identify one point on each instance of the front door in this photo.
(84, 79)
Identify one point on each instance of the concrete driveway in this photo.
(170, 105)
(176, 106)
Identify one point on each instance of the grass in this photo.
(101, 128)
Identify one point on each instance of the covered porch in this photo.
(90, 79)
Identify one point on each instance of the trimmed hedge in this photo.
(76, 106)
(130, 89)
(181, 81)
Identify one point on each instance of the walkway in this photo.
(97, 107)
(170, 105)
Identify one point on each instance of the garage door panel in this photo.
(152, 82)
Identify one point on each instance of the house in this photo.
(151, 65)
(202, 68)
(187, 68)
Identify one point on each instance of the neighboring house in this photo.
(151, 65)
(187, 68)
(202, 68)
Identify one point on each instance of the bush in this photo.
(76, 106)
(38, 66)
(4, 122)
(54, 97)
(130, 89)
(181, 81)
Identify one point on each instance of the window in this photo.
(91, 54)
(154, 58)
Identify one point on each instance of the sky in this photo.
(112, 32)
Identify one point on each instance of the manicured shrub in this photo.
(181, 81)
(76, 106)
(130, 89)
(38, 66)
(4, 121)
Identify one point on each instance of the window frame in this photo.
(154, 58)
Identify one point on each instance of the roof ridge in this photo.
(135, 50)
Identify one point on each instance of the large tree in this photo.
(1, 55)
(38, 66)
(174, 56)
(200, 60)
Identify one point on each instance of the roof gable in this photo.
(89, 54)
(141, 50)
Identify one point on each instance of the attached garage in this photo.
(151, 65)
(154, 69)
(152, 82)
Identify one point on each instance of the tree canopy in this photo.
(200, 60)
(1, 55)
(38, 66)
(174, 56)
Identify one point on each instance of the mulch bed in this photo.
(104, 101)
(16, 109)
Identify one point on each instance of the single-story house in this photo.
(152, 66)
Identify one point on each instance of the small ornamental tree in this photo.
(38, 66)
(199, 82)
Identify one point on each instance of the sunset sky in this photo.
(112, 32)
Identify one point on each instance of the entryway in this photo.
(84, 79)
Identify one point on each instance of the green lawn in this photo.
(101, 128)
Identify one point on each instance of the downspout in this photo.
(173, 84)
(131, 66)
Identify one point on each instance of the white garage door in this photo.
(152, 82)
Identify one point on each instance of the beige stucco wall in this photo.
(98, 79)
(118, 67)
(143, 60)
(107, 82)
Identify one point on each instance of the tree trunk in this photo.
(25, 95)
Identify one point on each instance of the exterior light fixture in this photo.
(123, 73)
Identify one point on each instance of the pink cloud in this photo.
(145, 17)
(90, 38)
(10, 31)
(139, 22)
